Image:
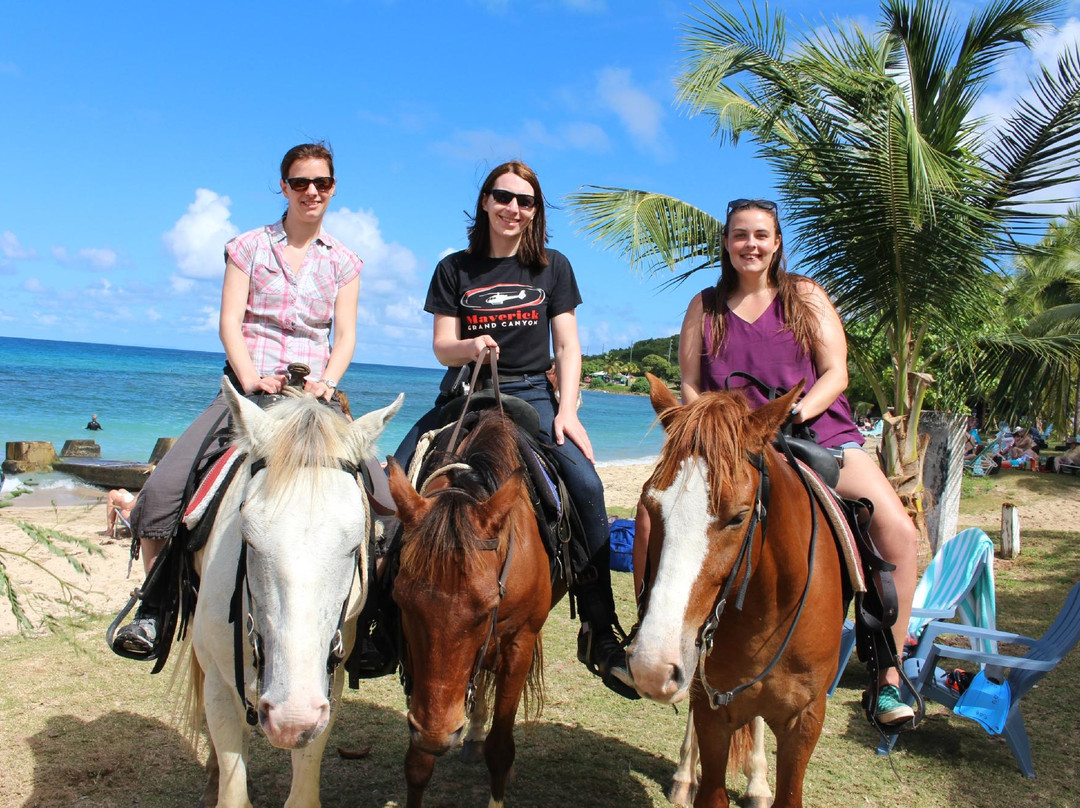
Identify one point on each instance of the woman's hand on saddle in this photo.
(319, 390)
(268, 384)
(567, 425)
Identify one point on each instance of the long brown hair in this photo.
(531, 252)
(800, 316)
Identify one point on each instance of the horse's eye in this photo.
(738, 518)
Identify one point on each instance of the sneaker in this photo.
(890, 709)
(602, 653)
(140, 636)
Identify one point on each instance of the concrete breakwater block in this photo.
(23, 456)
(160, 448)
(80, 448)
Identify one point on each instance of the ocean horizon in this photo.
(141, 394)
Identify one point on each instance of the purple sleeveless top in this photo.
(765, 349)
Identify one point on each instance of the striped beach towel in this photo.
(961, 575)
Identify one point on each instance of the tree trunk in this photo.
(943, 469)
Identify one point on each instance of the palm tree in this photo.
(903, 202)
(1043, 297)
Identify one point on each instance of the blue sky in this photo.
(139, 137)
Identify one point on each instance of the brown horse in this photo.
(740, 555)
(474, 588)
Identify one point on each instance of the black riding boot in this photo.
(599, 648)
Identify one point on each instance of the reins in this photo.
(483, 544)
(716, 697)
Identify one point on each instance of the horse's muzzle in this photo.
(660, 681)
(293, 729)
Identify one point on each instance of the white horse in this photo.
(296, 517)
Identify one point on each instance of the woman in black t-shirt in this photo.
(507, 292)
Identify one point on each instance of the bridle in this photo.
(336, 652)
(744, 565)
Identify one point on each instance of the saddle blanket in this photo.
(841, 530)
(208, 486)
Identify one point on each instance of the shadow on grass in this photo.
(124, 759)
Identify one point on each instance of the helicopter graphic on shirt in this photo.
(499, 298)
(503, 297)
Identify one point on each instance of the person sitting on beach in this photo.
(783, 329)
(506, 248)
(285, 284)
(94, 425)
(118, 500)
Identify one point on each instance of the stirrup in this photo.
(603, 668)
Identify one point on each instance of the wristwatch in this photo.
(331, 383)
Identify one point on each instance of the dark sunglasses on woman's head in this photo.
(504, 197)
(739, 204)
(322, 184)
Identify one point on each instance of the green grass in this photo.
(93, 729)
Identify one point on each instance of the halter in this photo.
(337, 644)
(716, 697)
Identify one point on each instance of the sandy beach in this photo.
(80, 512)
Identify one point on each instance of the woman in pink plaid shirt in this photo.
(285, 285)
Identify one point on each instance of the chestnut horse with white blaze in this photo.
(474, 588)
(745, 599)
(285, 564)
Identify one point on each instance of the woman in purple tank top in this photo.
(782, 328)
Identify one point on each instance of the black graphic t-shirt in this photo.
(510, 302)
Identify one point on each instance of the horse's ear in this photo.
(494, 512)
(411, 507)
(250, 424)
(766, 420)
(365, 430)
(663, 400)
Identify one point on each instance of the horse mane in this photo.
(444, 539)
(306, 434)
(713, 428)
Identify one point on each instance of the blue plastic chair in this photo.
(959, 582)
(1024, 672)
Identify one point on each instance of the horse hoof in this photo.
(755, 802)
(681, 793)
(472, 751)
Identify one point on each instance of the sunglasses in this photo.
(503, 197)
(739, 204)
(322, 184)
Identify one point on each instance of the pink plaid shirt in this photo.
(289, 311)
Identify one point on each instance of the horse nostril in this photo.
(677, 675)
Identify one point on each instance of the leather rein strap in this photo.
(716, 697)
(484, 353)
(337, 643)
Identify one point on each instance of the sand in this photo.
(80, 512)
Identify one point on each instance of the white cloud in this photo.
(152, 315)
(60, 254)
(197, 240)
(181, 285)
(45, 319)
(389, 268)
(407, 312)
(206, 320)
(98, 257)
(478, 144)
(11, 249)
(33, 285)
(639, 113)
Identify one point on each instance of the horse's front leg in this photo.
(472, 750)
(418, 769)
(714, 744)
(795, 742)
(307, 762)
(229, 735)
(685, 781)
(756, 769)
(500, 749)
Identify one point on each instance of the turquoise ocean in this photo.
(141, 394)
